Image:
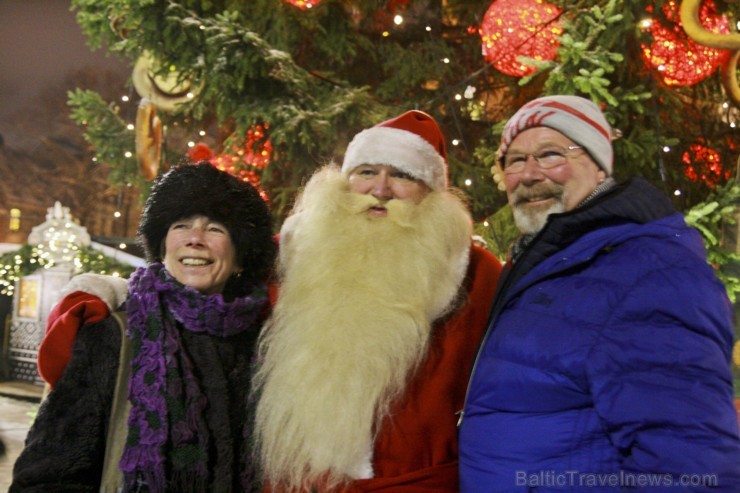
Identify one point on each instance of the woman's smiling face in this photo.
(199, 253)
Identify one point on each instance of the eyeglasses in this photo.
(547, 157)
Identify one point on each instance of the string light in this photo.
(303, 4)
(29, 258)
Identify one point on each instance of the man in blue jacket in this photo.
(606, 362)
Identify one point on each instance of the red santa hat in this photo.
(411, 142)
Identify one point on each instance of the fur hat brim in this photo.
(201, 189)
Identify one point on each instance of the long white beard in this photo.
(358, 296)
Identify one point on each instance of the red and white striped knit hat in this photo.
(577, 118)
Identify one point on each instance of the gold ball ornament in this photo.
(729, 78)
(166, 91)
(692, 26)
(148, 140)
(498, 177)
(689, 12)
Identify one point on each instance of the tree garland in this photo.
(28, 259)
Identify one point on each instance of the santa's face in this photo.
(385, 183)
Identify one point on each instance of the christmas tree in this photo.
(272, 89)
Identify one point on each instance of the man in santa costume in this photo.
(362, 367)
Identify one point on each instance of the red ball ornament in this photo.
(248, 161)
(703, 164)
(200, 152)
(679, 60)
(513, 28)
(304, 4)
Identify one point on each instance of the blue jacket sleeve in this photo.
(661, 381)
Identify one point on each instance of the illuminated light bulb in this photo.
(458, 97)
(124, 99)
(117, 214)
(468, 182)
(191, 144)
(398, 20)
(666, 149)
(677, 193)
(646, 23)
(386, 34)
(455, 142)
(446, 60)
(485, 223)
(202, 133)
(428, 29)
(190, 95)
(130, 126)
(122, 246)
(128, 154)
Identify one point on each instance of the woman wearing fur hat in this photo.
(193, 313)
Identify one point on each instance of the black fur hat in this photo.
(201, 189)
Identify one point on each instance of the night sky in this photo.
(40, 44)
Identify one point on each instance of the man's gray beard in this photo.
(530, 220)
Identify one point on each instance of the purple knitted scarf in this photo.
(167, 435)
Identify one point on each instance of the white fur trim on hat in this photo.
(401, 149)
(111, 290)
